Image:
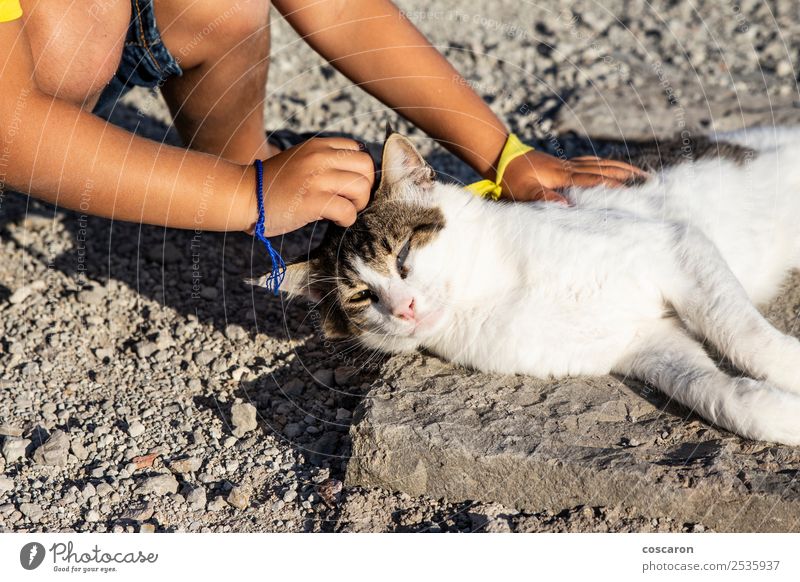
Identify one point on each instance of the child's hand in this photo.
(323, 178)
(538, 176)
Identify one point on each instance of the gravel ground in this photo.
(145, 388)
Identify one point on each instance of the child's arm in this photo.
(56, 152)
(376, 46)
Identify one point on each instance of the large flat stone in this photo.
(431, 428)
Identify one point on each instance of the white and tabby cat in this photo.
(629, 281)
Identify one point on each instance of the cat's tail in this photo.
(678, 365)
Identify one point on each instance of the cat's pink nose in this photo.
(406, 312)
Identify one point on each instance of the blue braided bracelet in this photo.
(278, 272)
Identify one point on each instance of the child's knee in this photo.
(76, 49)
(247, 19)
(200, 31)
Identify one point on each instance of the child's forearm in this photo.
(374, 45)
(102, 170)
(56, 152)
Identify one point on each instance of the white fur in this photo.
(628, 280)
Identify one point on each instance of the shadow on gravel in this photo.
(194, 273)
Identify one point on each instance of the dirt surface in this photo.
(127, 351)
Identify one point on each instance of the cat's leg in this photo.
(713, 304)
(669, 359)
(762, 137)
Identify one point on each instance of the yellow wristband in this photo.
(9, 10)
(513, 149)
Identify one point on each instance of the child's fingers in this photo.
(552, 196)
(358, 162)
(340, 210)
(606, 163)
(539, 194)
(587, 180)
(337, 143)
(612, 172)
(354, 186)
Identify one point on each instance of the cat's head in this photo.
(379, 279)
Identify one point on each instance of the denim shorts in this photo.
(145, 62)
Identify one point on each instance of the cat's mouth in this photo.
(427, 323)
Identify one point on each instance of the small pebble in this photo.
(185, 465)
(196, 498)
(217, 504)
(136, 429)
(139, 511)
(6, 484)
(239, 497)
(243, 418)
(159, 484)
(14, 449)
(31, 510)
(204, 358)
(54, 451)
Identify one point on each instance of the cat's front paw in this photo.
(784, 369)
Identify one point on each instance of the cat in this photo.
(631, 281)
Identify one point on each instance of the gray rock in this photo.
(294, 387)
(239, 497)
(6, 484)
(185, 465)
(7, 430)
(54, 451)
(209, 293)
(324, 377)
(32, 511)
(104, 489)
(92, 516)
(77, 448)
(243, 418)
(196, 498)
(434, 429)
(344, 375)
(324, 447)
(14, 448)
(235, 332)
(159, 485)
(93, 295)
(292, 430)
(784, 68)
(204, 358)
(145, 349)
(239, 373)
(88, 491)
(25, 291)
(136, 429)
(139, 511)
(217, 504)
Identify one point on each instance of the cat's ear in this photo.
(402, 166)
(296, 281)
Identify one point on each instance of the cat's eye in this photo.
(401, 259)
(363, 295)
